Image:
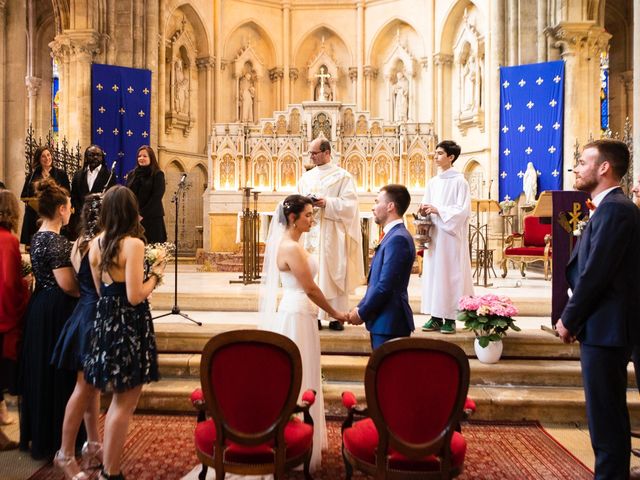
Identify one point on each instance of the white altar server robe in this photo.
(446, 271)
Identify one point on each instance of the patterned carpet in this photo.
(161, 448)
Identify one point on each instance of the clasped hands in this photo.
(351, 317)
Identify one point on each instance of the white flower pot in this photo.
(489, 354)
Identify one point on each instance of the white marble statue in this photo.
(181, 99)
(400, 98)
(530, 184)
(247, 96)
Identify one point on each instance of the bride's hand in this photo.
(342, 317)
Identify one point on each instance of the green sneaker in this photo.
(432, 325)
(448, 327)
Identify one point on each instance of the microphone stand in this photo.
(175, 310)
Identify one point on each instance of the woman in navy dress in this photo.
(123, 354)
(45, 389)
(72, 349)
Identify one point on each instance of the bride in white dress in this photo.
(287, 261)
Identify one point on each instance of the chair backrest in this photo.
(251, 380)
(534, 231)
(416, 388)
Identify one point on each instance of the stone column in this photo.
(626, 78)
(33, 85)
(217, 34)
(370, 74)
(492, 72)
(74, 51)
(3, 57)
(581, 44)
(353, 77)
(152, 52)
(540, 33)
(360, 54)
(137, 33)
(275, 75)
(442, 62)
(513, 33)
(207, 65)
(293, 77)
(13, 109)
(286, 47)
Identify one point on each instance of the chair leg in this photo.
(503, 265)
(523, 265)
(348, 469)
(307, 465)
(203, 473)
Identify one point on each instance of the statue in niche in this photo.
(181, 99)
(362, 126)
(322, 91)
(382, 173)
(348, 122)
(227, 172)
(353, 167)
(294, 121)
(247, 97)
(400, 98)
(281, 125)
(416, 172)
(288, 173)
(469, 79)
(262, 172)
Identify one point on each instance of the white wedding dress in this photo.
(296, 318)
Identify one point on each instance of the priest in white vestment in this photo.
(336, 237)
(446, 271)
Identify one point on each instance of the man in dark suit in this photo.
(385, 309)
(93, 178)
(602, 311)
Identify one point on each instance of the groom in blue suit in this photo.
(385, 309)
(602, 311)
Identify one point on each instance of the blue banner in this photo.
(120, 113)
(531, 116)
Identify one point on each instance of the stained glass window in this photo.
(604, 91)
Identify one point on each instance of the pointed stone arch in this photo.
(476, 176)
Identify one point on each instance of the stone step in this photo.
(545, 404)
(527, 344)
(349, 368)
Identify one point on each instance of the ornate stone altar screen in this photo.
(271, 155)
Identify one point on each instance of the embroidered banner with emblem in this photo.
(531, 116)
(120, 113)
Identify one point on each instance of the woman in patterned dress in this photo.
(122, 356)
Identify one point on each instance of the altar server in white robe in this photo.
(446, 272)
(336, 237)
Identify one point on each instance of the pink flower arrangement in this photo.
(488, 316)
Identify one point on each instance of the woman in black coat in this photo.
(42, 168)
(147, 183)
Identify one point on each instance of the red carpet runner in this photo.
(161, 448)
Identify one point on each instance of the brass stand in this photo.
(250, 229)
(366, 235)
(478, 241)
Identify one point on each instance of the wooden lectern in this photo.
(564, 209)
(479, 239)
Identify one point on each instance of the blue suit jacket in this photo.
(385, 307)
(603, 274)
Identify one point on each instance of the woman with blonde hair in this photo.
(123, 354)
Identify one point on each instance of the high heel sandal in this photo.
(104, 476)
(92, 455)
(69, 466)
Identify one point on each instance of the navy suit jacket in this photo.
(604, 309)
(385, 307)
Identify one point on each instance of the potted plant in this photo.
(506, 206)
(489, 317)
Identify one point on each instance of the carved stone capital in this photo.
(80, 45)
(353, 73)
(205, 62)
(33, 85)
(370, 72)
(424, 62)
(293, 73)
(440, 59)
(276, 73)
(581, 39)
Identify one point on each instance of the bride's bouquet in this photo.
(157, 252)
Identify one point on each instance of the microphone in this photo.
(182, 179)
(113, 165)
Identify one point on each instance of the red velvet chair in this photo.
(532, 245)
(416, 390)
(250, 384)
